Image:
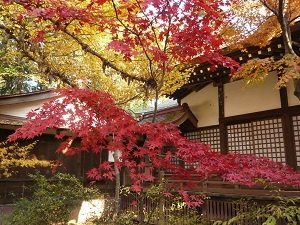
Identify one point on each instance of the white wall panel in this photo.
(204, 105)
(259, 97)
(292, 99)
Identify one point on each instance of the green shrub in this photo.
(52, 200)
(124, 218)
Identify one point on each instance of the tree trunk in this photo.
(155, 106)
(288, 47)
(141, 200)
(286, 34)
(118, 185)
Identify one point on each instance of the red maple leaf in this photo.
(39, 37)
(136, 187)
(134, 203)
(167, 194)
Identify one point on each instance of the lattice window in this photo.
(296, 125)
(261, 138)
(240, 138)
(210, 136)
(191, 165)
(268, 139)
(176, 161)
(194, 135)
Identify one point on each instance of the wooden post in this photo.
(222, 125)
(161, 201)
(288, 134)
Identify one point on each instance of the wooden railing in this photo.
(258, 191)
(218, 187)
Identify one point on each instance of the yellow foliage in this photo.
(255, 24)
(12, 156)
(64, 53)
(289, 68)
(256, 70)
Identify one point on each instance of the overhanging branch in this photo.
(106, 62)
(42, 64)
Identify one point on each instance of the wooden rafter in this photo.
(203, 74)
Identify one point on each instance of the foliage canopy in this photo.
(130, 49)
(257, 23)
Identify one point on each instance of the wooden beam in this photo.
(222, 125)
(288, 134)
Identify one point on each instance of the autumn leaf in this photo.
(167, 194)
(134, 203)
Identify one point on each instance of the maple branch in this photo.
(121, 22)
(140, 41)
(165, 50)
(153, 19)
(261, 23)
(150, 23)
(280, 11)
(127, 100)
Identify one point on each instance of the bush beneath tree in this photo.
(52, 201)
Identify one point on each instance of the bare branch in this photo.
(139, 38)
(127, 100)
(271, 8)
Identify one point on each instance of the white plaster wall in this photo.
(259, 97)
(204, 105)
(20, 109)
(292, 99)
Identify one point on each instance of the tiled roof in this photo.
(169, 103)
(176, 115)
(11, 120)
(26, 97)
(24, 94)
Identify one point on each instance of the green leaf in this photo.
(270, 221)
(218, 222)
(232, 220)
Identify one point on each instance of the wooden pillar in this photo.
(222, 125)
(288, 133)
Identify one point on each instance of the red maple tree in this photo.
(93, 117)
